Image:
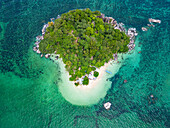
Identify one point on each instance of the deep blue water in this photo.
(29, 94)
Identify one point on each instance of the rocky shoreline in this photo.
(39, 38)
(131, 32)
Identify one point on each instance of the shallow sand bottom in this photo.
(92, 93)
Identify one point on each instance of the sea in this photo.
(29, 84)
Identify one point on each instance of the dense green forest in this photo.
(83, 41)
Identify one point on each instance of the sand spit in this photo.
(92, 93)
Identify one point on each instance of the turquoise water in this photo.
(29, 95)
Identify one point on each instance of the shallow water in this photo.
(29, 95)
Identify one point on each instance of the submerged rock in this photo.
(125, 81)
(0, 29)
(56, 57)
(38, 38)
(38, 51)
(107, 105)
(35, 49)
(149, 25)
(44, 28)
(58, 16)
(154, 20)
(37, 42)
(47, 55)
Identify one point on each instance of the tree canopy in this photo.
(83, 41)
(96, 74)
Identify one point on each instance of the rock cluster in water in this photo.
(151, 25)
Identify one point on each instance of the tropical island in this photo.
(88, 48)
(85, 41)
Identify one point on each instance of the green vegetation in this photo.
(96, 74)
(83, 41)
(86, 80)
(76, 84)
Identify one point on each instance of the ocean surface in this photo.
(29, 94)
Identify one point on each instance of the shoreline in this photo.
(93, 83)
(87, 95)
(98, 86)
(92, 93)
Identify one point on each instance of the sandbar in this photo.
(87, 94)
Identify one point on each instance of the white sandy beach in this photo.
(92, 93)
(93, 83)
(97, 89)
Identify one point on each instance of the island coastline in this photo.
(76, 94)
(94, 91)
